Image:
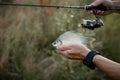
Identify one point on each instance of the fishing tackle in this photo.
(89, 24)
(86, 7)
(92, 24)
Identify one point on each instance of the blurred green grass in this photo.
(25, 36)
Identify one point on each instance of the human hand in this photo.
(75, 51)
(105, 3)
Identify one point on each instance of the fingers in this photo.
(64, 53)
(97, 3)
(65, 47)
(62, 48)
(69, 55)
(99, 12)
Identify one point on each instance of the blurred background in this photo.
(27, 32)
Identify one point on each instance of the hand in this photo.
(106, 3)
(75, 51)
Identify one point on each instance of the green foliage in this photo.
(10, 1)
(26, 34)
(109, 37)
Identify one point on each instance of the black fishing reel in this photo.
(92, 24)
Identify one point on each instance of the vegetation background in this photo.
(27, 32)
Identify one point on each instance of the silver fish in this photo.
(71, 37)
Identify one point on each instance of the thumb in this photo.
(62, 47)
(96, 3)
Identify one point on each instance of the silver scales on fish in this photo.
(73, 37)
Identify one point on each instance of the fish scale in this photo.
(70, 37)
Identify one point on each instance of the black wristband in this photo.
(88, 60)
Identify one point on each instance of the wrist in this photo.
(85, 53)
(88, 60)
(95, 58)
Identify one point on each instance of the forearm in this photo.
(116, 4)
(109, 67)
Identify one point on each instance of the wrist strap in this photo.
(88, 60)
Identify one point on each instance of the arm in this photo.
(109, 67)
(79, 52)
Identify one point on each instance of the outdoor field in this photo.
(27, 32)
